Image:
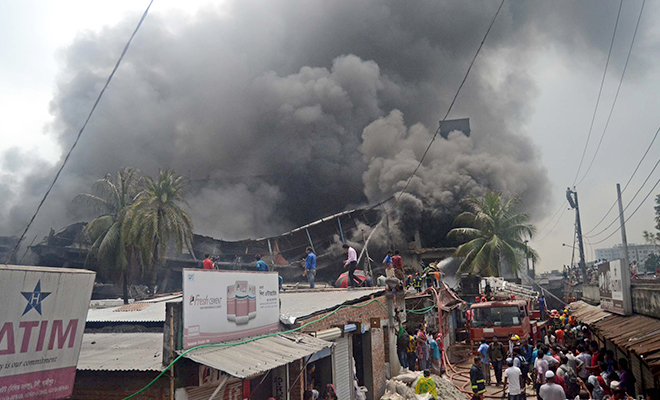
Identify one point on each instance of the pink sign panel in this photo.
(42, 320)
(42, 385)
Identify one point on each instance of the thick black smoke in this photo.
(285, 111)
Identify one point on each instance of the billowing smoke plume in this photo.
(285, 111)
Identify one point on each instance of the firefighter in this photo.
(477, 379)
(418, 282)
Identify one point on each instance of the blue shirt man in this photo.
(310, 267)
(483, 350)
(261, 264)
(485, 367)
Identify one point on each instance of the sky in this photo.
(547, 84)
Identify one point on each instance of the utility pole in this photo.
(624, 239)
(527, 256)
(572, 198)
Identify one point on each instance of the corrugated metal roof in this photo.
(48, 269)
(587, 313)
(636, 333)
(309, 302)
(121, 352)
(253, 358)
(154, 312)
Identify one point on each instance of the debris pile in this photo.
(402, 387)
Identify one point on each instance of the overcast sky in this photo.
(34, 36)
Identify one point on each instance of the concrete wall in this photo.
(646, 299)
(591, 294)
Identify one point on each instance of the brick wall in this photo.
(93, 385)
(378, 347)
(348, 314)
(296, 380)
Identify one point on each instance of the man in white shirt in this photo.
(512, 377)
(541, 367)
(550, 390)
(586, 360)
(351, 264)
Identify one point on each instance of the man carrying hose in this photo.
(477, 379)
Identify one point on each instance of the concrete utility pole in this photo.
(624, 239)
(572, 198)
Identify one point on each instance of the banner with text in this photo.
(614, 287)
(225, 305)
(43, 317)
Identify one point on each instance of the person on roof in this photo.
(207, 263)
(397, 262)
(351, 265)
(310, 267)
(387, 263)
(261, 264)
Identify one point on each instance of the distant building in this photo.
(636, 252)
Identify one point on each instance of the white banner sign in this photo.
(225, 305)
(614, 286)
(42, 321)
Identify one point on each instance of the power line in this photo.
(553, 226)
(627, 183)
(82, 129)
(633, 213)
(616, 96)
(553, 217)
(631, 200)
(398, 197)
(435, 135)
(600, 91)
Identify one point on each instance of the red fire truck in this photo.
(503, 319)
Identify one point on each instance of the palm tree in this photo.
(156, 220)
(493, 235)
(112, 200)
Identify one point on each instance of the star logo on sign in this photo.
(34, 298)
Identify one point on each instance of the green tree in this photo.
(109, 253)
(650, 236)
(156, 220)
(492, 234)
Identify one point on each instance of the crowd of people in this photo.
(420, 350)
(565, 364)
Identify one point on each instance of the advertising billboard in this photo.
(43, 319)
(225, 305)
(614, 287)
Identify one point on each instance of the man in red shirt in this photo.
(207, 263)
(397, 263)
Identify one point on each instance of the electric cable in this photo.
(373, 230)
(633, 213)
(627, 183)
(631, 200)
(82, 129)
(451, 105)
(563, 205)
(600, 91)
(616, 95)
(553, 227)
